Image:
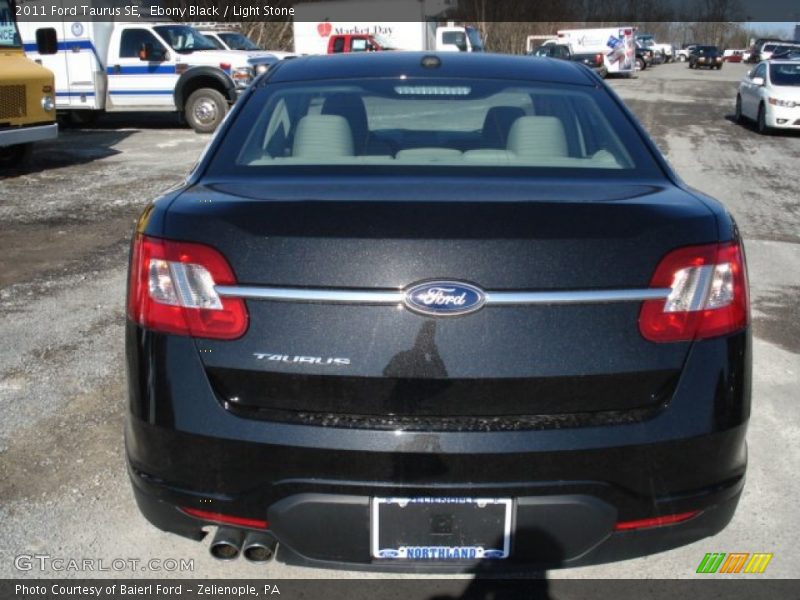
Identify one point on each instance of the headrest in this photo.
(322, 136)
(537, 136)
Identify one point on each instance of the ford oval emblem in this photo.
(444, 298)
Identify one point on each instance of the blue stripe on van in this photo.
(64, 46)
(140, 92)
(142, 70)
(70, 94)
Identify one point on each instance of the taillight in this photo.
(216, 517)
(598, 59)
(708, 297)
(655, 521)
(172, 289)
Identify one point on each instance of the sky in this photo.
(783, 27)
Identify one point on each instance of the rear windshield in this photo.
(464, 124)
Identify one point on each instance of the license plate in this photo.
(441, 529)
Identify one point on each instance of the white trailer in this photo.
(616, 44)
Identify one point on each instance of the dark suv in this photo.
(705, 56)
(436, 312)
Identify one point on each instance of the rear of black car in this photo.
(436, 314)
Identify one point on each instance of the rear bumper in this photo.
(314, 484)
(25, 135)
(551, 529)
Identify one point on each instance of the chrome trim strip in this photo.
(312, 295)
(391, 297)
(576, 297)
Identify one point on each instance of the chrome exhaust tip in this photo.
(259, 547)
(227, 544)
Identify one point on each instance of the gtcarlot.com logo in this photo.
(734, 562)
(45, 562)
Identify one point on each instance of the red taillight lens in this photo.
(216, 517)
(172, 289)
(655, 521)
(708, 298)
(225, 66)
(598, 59)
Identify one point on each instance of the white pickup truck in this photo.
(661, 52)
(230, 39)
(142, 66)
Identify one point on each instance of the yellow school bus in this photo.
(27, 92)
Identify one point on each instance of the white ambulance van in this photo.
(141, 66)
(616, 44)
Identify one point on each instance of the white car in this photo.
(770, 95)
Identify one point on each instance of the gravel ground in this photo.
(65, 227)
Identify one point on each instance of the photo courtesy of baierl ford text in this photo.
(431, 299)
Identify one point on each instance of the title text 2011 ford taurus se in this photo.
(436, 312)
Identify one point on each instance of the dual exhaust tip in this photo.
(229, 543)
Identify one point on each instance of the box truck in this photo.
(320, 29)
(27, 99)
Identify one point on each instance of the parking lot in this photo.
(66, 222)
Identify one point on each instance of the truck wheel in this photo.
(205, 110)
(640, 65)
(681, 58)
(14, 156)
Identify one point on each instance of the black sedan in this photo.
(436, 312)
(705, 56)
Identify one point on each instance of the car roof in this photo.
(467, 65)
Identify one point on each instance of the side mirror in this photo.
(149, 53)
(759, 81)
(46, 41)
